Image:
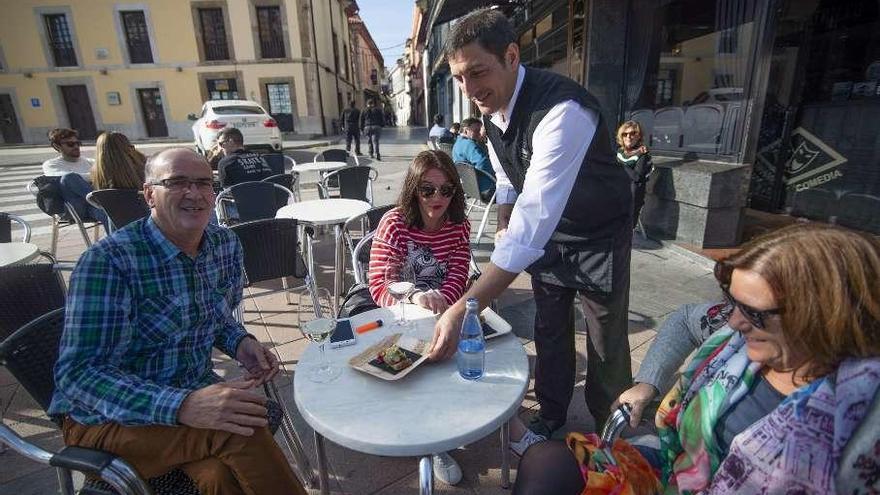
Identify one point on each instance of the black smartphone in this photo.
(344, 334)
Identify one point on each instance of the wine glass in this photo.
(317, 323)
(397, 286)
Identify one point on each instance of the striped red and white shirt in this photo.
(432, 260)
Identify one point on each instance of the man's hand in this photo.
(638, 396)
(260, 362)
(445, 341)
(228, 406)
(432, 300)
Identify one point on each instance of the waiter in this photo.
(564, 210)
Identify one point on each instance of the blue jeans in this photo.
(74, 190)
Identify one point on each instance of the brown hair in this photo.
(826, 282)
(408, 201)
(60, 134)
(488, 27)
(117, 164)
(629, 124)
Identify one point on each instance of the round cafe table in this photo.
(319, 166)
(17, 253)
(332, 211)
(430, 410)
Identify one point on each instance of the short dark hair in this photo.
(487, 27)
(408, 201)
(455, 126)
(471, 121)
(438, 119)
(60, 134)
(231, 133)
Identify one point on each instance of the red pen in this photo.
(366, 327)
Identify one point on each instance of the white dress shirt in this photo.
(559, 144)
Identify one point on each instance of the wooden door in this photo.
(79, 110)
(8, 121)
(154, 114)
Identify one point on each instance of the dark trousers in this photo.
(609, 370)
(373, 132)
(638, 190)
(353, 134)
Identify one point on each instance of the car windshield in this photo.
(238, 110)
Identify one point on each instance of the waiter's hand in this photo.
(445, 341)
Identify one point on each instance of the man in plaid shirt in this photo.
(146, 306)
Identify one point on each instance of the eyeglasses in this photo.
(631, 133)
(180, 184)
(428, 190)
(71, 144)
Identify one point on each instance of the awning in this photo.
(447, 10)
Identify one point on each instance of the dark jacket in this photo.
(372, 116)
(351, 118)
(599, 207)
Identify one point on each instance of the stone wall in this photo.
(696, 202)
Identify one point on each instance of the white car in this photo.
(258, 128)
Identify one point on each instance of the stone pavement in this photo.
(662, 279)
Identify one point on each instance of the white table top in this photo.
(430, 410)
(330, 211)
(319, 166)
(17, 253)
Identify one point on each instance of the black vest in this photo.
(599, 207)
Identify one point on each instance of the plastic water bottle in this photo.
(471, 354)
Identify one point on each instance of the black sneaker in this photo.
(543, 426)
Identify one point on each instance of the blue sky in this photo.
(389, 22)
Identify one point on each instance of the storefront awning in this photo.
(447, 10)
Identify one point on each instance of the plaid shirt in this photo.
(141, 319)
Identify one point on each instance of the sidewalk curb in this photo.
(696, 258)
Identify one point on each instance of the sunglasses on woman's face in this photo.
(429, 190)
(757, 318)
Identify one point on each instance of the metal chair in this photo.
(288, 180)
(66, 220)
(30, 354)
(122, 206)
(271, 251)
(337, 155)
(353, 182)
(275, 161)
(468, 175)
(28, 292)
(365, 223)
(253, 201)
(6, 220)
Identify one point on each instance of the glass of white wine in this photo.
(397, 287)
(317, 323)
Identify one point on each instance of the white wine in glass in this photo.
(397, 288)
(316, 322)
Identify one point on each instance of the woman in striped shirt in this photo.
(429, 232)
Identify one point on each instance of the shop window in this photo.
(688, 67)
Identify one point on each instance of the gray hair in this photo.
(487, 27)
(155, 164)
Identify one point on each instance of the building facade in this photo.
(143, 68)
(399, 94)
(772, 105)
(369, 66)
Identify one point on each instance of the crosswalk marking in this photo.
(15, 198)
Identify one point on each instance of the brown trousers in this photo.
(220, 463)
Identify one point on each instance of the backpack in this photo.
(49, 197)
(358, 300)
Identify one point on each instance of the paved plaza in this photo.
(662, 279)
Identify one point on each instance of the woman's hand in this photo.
(638, 396)
(432, 300)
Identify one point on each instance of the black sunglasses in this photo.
(429, 190)
(757, 318)
(71, 144)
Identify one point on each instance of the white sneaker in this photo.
(445, 468)
(528, 439)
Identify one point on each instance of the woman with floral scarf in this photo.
(783, 400)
